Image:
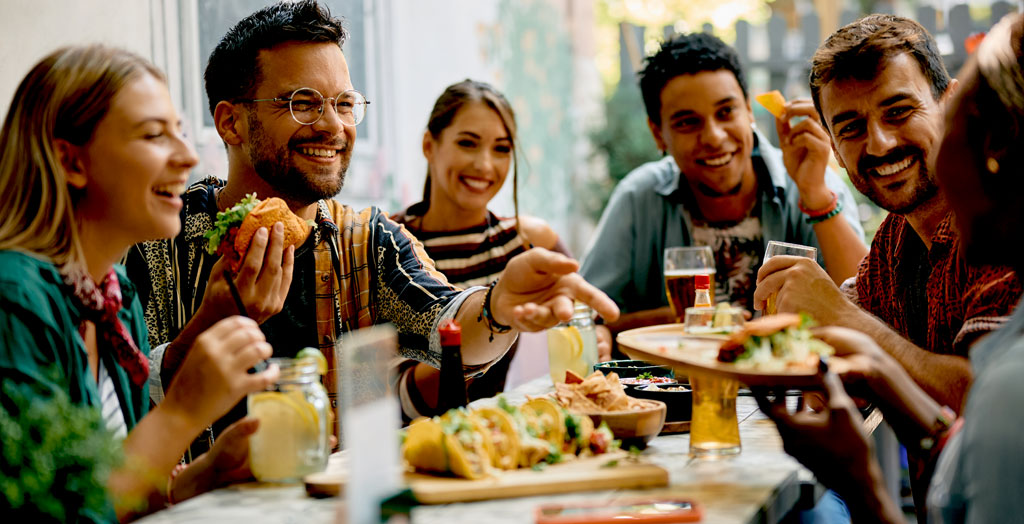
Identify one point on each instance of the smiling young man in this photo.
(286, 110)
(721, 185)
(880, 86)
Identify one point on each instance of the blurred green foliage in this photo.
(55, 458)
(624, 140)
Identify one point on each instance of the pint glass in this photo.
(714, 429)
(682, 264)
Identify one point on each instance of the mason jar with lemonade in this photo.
(292, 439)
(573, 345)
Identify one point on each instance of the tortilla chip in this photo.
(773, 101)
(598, 393)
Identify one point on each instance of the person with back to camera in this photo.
(470, 144)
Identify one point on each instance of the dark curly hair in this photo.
(685, 54)
(858, 50)
(234, 70)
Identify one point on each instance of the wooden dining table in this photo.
(760, 485)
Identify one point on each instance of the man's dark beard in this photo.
(926, 187)
(274, 166)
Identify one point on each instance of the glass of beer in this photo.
(714, 428)
(776, 248)
(681, 265)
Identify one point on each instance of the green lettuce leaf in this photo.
(226, 220)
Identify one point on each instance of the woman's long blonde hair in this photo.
(64, 97)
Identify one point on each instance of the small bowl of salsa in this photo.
(645, 379)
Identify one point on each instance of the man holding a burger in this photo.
(285, 107)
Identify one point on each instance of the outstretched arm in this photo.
(535, 292)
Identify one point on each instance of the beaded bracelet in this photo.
(835, 211)
(814, 213)
(815, 216)
(488, 318)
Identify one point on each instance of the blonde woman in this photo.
(92, 160)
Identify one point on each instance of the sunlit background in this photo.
(566, 65)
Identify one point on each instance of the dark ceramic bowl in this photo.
(633, 368)
(678, 399)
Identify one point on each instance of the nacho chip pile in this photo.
(598, 393)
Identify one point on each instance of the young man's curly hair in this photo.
(685, 54)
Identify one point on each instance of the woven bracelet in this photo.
(488, 318)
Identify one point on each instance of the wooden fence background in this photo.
(783, 63)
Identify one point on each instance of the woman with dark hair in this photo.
(469, 144)
(93, 160)
(978, 467)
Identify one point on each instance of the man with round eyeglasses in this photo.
(284, 106)
(306, 105)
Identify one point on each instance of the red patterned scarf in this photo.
(100, 305)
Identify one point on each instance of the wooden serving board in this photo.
(668, 345)
(589, 474)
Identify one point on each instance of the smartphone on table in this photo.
(648, 510)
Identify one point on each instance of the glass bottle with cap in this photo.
(699, 318)
(452, 382)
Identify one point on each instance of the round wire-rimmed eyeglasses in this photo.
(307, 105)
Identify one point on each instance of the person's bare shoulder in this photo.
(537, 231)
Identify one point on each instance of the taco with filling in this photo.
(453, 443)
(547, 420)
(501, 429)
(532, 448)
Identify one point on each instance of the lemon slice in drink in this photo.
(287, 425)
(567, 340)
(315, 355)
(289, 406)
(300, 400)
(577, 341)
